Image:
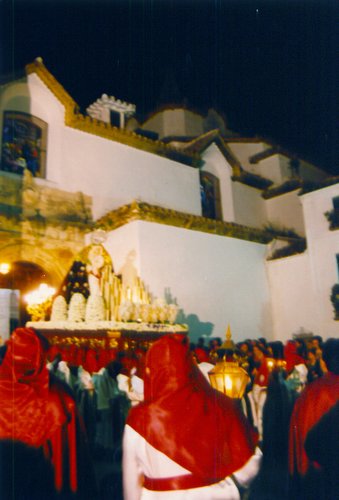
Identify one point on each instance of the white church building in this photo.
(232, 229)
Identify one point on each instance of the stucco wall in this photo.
(286, 211)
(293, 301)
(249, 206)
(301, 285)
(269, 168)
(215, 280)
(175, 122)
(323, 246)
(243, 151)
(115, 174)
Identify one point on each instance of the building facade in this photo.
(232, 229)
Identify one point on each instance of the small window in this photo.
(23, 144)
(210, 196)
(115, 118)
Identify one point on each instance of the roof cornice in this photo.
(202, 142)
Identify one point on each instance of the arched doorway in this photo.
(22, 278)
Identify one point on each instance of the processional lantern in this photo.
(227, 376)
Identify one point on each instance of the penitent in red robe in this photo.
(314, 402)
(34, 413)
(188, 421)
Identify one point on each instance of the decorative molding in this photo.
(78, 121)
(150, 213)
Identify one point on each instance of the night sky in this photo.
(269, 66)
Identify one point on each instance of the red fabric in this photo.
(184, 482)
(53, 352)
(201, 355)
(316, 400)
(262, 374)
(28, 413)
(64, 443)
(291, 356)
(79, 357)
(33, 412)
(186, 419)
(90, 361)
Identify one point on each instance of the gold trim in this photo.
(151, 213)
(78, 121)
(113, 335)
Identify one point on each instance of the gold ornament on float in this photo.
(39, 302)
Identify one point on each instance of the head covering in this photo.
(186, 419)
(291, 355)
(314, 402)
(28, 412)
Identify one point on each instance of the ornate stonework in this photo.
(42, 225)
(151, 213)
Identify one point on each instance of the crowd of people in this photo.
(156, 416)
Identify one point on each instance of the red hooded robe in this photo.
(186, 419)
(31, 412)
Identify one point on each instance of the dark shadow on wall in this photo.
(196, 327)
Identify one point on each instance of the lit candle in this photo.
(228, 384)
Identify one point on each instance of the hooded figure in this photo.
(316, 400)
(186, 439)
(35, 413)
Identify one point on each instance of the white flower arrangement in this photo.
(59, 309)
(95, 309)
(77, 308)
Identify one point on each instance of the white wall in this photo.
(315, 204)
(301, 285)
(5, 297)
(249, 206)
(323, 246)
(286, 211)
(215, 280)
(243, 151)
(269, 168)
(115, 174)
(293, 301)
(175, 122)
(216, 164)
(155, 123)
